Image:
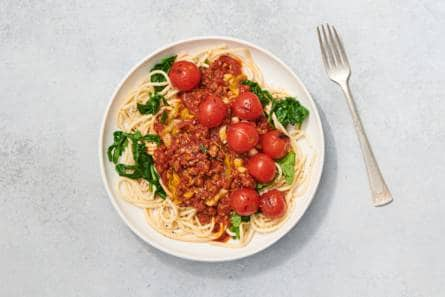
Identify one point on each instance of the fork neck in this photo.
(350, 100)
(344, 84)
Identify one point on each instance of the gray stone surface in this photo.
(60, 62)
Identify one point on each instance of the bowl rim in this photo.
(180, 254)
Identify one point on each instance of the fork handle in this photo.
(380, 192)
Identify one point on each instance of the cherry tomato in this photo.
(242, 137)
(245, 201)
(184, 75)
(212, 111)
(273, 204)
(262, 168)
(247, 106)
(275, 144)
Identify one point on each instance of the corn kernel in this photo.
(185, 114)
(223, 134)
(188, 194)
(241, 169)
(227, 76)
(238, 162)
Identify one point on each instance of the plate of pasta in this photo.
(211, 149)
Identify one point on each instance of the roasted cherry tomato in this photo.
(245, 201)
(242, 137)
(247, 106)
(212, 111)
(275, 144)
(262, 168)
(273, 204)
(184, 75)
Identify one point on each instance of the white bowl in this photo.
(276, 74)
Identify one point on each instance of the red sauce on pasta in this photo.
(197, 167)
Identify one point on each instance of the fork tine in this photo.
(327, 47)
(334, 45)
(323, 54)
(340, 47)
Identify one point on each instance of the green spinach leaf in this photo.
(165, 64)
(235, 222)
(164, 117)
(287, 165)
(130, 171)
(152, 138)
(259, 187)
(289, 111)
(152, 105)
(264, 95)
(143, 166)
(117, 148)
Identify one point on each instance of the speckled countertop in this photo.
(60, 62)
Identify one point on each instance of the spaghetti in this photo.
(187, 192)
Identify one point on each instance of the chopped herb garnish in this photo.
(264, 95)
(164, 65)
(152, 105)
(287, 165)
(289, 111)
(203, 148)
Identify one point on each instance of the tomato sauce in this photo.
(193, 98)
(197, 167)
(213, 76)
(223, 238)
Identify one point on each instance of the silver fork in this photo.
(339, 71)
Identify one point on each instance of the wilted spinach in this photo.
(264, 95)
(235, 222)
(143, 166)
(287, 165)
(165, 64)
(152, 105)
(289, 111)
